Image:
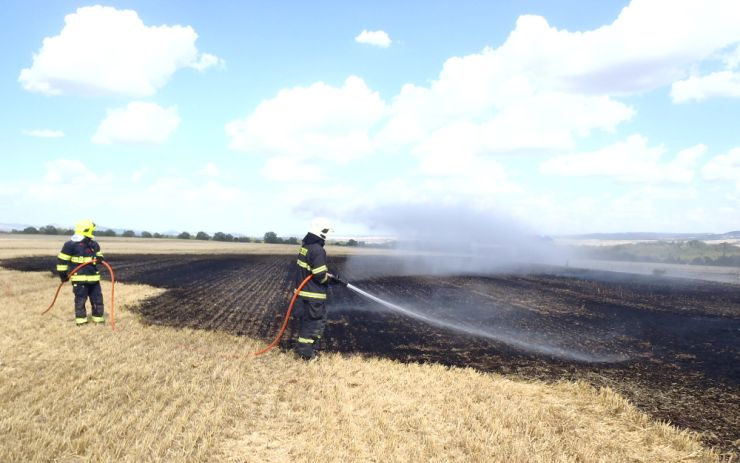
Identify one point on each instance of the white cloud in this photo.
(542, 90)
(550, 120)
(629, 161)
(450, 150)
(630, 209)
(137, 123)
(102, 50)
(732, 59)
(176, 203)
(167, 191)
(645, 208)
(513, 114)
(717, 84)
(44, 133)
(210, 170)
(64, 175)
(376, 38)
(317, 122)
(206, 61)
(537, 83)
(652, 43)
(68, 171)
(287, 169)
(724, 167)
(449, 163)
(171, 202)
(139, 174)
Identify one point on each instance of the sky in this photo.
(244, 117)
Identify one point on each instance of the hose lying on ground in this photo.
(112, 290)
(286, 319)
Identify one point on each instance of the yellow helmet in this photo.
(85, 228)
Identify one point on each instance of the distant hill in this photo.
(12, 226)
(651, 236)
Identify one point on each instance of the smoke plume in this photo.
(439, 239)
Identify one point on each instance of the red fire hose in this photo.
(112, 290)
(286, 319)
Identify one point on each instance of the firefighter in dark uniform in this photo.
(82, 248)
(312, 261)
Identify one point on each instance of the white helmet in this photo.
(320, 227)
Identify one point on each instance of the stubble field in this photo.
(512, 339)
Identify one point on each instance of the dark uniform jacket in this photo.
(312, 261)
(75, 253)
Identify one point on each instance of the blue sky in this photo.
(565, 116)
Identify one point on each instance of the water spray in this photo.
(475, 331)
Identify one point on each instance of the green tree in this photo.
(243, 239)
(30, 230)
(48, 230)
(352, 243)
(201, 235)
(271, 238)
(184, 236)
(158, 235)
(129, 234)
(696, 244)
(221, 236)
(146, 234)
(108, 232)
(292, 240)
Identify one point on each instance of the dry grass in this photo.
(148, 393)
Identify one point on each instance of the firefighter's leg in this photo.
(80, 290)
(304, 343)
(96, 298)
(312, 327)
(318, 309)
(294, 325)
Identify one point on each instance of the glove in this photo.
(63, 276)
(336, 279)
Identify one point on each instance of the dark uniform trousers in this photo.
(313, 321)
(82, 292)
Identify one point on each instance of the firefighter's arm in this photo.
(318, 267)
(63, 259)
(98, 254)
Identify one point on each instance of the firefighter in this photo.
(79, 249)
(312, 261)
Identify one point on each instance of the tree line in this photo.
(269, 237)
(201, 235)
(693, 252)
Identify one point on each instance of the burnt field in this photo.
(671, 346)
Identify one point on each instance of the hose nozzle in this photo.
(337, 279)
